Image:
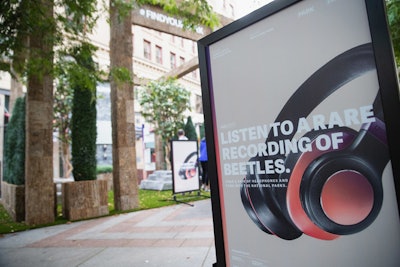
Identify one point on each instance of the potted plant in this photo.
(86, 197)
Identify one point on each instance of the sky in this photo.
(244, 7)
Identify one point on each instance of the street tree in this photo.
(39, 187)
(32, 32)
(163, 105)
(122, 108)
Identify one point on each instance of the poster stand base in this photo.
(182, 202)
(190, 195)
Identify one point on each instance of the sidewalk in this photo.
(178, 235)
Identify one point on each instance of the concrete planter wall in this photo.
(13, 198)
(85, 199)
(108, 176)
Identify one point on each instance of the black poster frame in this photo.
(184, 160)
(387, 78)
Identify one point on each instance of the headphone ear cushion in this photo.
(244, 194)
(263, 207)
(298, 163)
(342, 191)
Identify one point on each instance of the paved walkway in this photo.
(179, 235)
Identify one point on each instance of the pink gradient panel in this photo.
(347, 197)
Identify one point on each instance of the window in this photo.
(172, 60)
(198, 104)
(194, 74)
(181, 60)
(194, 47)
(159, 58)
(147, 49)
(232, 10)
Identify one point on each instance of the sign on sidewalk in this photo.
(185, 166)
(301, 108)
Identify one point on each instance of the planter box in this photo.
(108, 176)
(13, 198)
(85, 199)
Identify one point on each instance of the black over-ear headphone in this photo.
(327, 193)
(189, 167)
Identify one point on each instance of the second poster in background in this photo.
(185, 167)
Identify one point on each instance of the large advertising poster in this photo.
(301, 154)
(185, 167)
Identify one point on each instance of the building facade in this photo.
(155, 54)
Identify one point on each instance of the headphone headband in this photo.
(333, 75)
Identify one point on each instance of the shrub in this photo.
(190, 130)
(83, 135)
(14, 145)
(104, 169)
(83, 121)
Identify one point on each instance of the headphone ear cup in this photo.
(298, 163)
(342, 191)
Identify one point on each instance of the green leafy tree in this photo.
(163, 105)
(14, 145)
(193, 13)
(190, 130)
(393, 14)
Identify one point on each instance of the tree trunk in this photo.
(159, 150)
(39, 187)
(65, 157)
(122, 111)
(15, 91)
